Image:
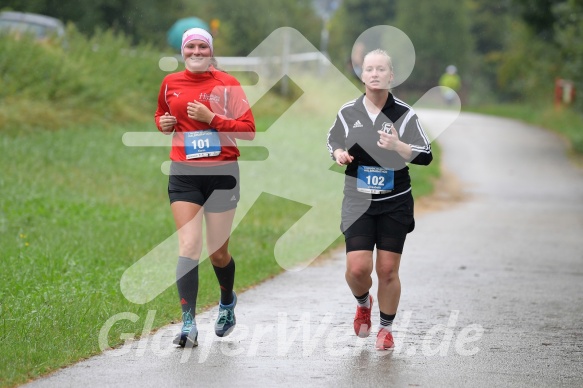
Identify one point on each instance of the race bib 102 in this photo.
(375, 180)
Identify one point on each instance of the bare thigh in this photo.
(188, 220)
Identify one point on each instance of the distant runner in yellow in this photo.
(451, 80)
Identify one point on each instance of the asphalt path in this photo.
(492, 292)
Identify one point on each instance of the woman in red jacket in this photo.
(205, 110)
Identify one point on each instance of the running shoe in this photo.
(226, 320)
(385, 340)
(189, 333)
(362, 322)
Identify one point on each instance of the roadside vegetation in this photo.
(100, 80)
(560, 119)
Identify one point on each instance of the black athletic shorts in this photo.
(214, 187)
(381, 223)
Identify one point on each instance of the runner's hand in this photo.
(199, 112)
(342, 157)
(390, 140)
(167, 122)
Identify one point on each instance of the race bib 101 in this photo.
(202, 144)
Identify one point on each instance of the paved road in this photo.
(492, 293)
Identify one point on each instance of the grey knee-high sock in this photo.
(187, 283)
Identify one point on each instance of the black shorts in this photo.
(214, 187)
(381, 223)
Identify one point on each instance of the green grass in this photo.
(102, 80)
(423, 177)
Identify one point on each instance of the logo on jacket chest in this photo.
(209, 97)
(386, 127)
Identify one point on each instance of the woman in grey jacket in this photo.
(375, 137)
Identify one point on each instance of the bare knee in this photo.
(358, 269)
(190, 248)
(388, 272)
(387, 266)
(389, 275)
(220, 258)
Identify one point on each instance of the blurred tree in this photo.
(352, 19)
(243, 25)
(568, 33)
(519, 76)
(490, 25)
(440, 32)
(550, 31)
(538, 14)
(141, 20)
(366, 14)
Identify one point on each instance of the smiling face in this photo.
(377, 71)
(197, 56)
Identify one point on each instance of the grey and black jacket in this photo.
(354, 131)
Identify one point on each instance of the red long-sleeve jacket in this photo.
(223, 95)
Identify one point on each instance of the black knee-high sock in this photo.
(226, 278)
(187, 283)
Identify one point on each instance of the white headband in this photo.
(196, 34)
